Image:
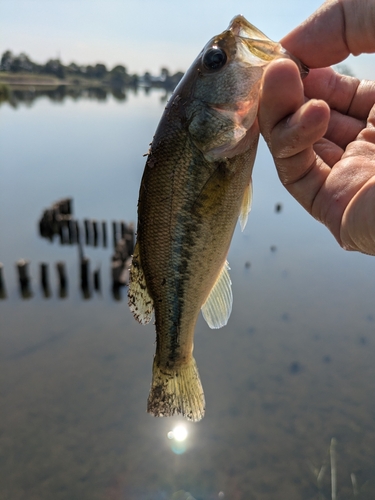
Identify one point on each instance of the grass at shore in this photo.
(31, 79)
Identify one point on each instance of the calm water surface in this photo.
(294, 368)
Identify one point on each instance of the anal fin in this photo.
(218, 306)
(139, 300)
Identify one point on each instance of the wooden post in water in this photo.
(85, 277)
(24, 279)
(63, 280)
(61, 232)
(104, 233)
(55, 220)
(87, 231)
(114, 229)
(64, 206)
(72, 229)
(124, 228)
(95, 232)
(3, 293)
(44, 281)
(129, 238)
(97, 281)
(78, 232)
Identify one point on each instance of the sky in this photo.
(143, 35)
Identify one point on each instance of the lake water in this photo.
(293, 369)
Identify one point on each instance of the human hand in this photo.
(321, 132)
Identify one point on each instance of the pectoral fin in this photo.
(246, 205)
(218, 306)
(139, 300)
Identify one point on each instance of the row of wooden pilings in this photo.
(25, 280)
(90, 281)
(58, 222)
(91, 233)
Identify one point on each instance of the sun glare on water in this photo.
(177, 438)
(179, 433)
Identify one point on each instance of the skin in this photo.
(321, 131)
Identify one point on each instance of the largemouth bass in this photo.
(196, 183)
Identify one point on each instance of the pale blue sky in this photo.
(141, 34)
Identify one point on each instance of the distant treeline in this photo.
(74, 73)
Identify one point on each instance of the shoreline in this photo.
(28, 80)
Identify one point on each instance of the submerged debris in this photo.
(295, 367)
(278, 207)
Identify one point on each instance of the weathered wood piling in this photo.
(22, 266)
(3, 293)
(44, 280)
(95, 232)
(87, 224)
(97, 280)
(85, 277)
(58, 222)
(63, 279)
(114, 233)
(121, 259)
(104, 233)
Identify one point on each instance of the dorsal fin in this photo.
(139, 300)
(218, 306)
(246, 205)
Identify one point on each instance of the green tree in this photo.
(6, 61)
(118, 76)
(54, 67)
(164, 73)
(100, 71)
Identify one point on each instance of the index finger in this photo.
(335, 30)
(290, 127)
(345, 94)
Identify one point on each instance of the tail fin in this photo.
(176, 391)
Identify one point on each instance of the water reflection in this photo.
(183, 495)
(177, 438)
(17, 96)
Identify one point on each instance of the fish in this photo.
(196, 184)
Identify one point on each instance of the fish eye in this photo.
(214, 58)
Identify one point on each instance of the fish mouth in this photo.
(260, 45)
(240, 26)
